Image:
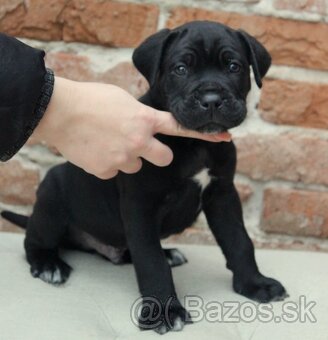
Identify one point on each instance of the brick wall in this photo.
(283, 146)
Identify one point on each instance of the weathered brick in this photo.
(80, 68)
(295, 212)
(17, 183)
(290, 42)
(71, 66)
(32, 19)
(110, 23)
(289, 157)
(313, 6)
(295, 103)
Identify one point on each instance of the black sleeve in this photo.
(25, 90)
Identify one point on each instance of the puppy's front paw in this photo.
(260, 288)
(53, 271)
(163, 317)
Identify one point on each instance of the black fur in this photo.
(136, 211)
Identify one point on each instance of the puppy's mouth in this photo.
(211, 127)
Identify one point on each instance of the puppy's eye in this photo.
(181, 70)
(234, 67)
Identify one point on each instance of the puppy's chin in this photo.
(211, 128)
(208, 128)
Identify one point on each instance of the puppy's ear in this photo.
(148, 56)
(258, 56)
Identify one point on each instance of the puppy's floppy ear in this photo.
(258, 56)
(148, 56)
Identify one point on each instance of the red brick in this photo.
(17, 183)
(80, 68)
(313, 6)
(295, 103)
(290, 42)
(288, 157)
(32, 19)
(295, 212)
(108, 22)
(71, 66)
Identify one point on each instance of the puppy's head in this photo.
(201, 73)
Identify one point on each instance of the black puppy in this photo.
(201, 73)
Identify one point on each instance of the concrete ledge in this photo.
(96, 301)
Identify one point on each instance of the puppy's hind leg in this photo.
(46, 228)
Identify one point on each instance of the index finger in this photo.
(167, 125)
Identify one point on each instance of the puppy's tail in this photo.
(17, 219)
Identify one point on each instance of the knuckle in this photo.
(138, 142)
(148, 116)
(134, 167)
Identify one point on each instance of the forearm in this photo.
(22, 80)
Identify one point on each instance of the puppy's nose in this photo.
(210, 101)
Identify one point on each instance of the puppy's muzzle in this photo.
(219, 109)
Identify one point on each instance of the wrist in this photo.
(58, 109)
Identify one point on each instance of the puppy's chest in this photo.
(187, 193)
(196, 168)
(190, 176)
(202, 178)
(193, 175)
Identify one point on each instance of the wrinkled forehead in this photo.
(206, 41)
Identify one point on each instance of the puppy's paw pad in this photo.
(55, 272)
(262, 289)
(175, 257)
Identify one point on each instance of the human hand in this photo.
(103, 129)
